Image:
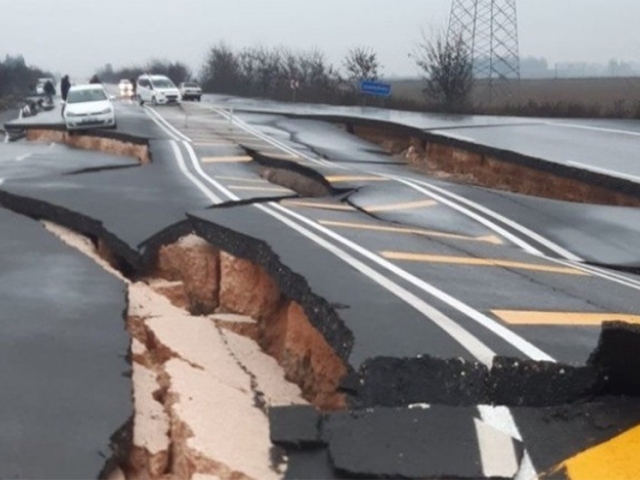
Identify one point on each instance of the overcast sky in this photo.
(77, 36)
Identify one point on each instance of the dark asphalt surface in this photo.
(336, 255)
(63, 349)
(603, 146)
(598, 234)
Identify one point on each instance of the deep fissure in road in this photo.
(116, 145)
(464, 162)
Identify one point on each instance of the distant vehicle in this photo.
(88, 106)
(41, 84)
(157, 90)
(190, 91)
(126, 88)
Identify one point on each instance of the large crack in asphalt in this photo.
(196, 269)
(475, 164)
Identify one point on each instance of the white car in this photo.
(190, 90)
(157, 90)
(88, 106)
(126, 88)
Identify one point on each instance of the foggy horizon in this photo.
(74, 37)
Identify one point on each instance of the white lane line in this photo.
(611, 173)
(444, 133)
(497, 452)
(515, 340)
(177, 132)
(183, 168)
(274, 142)
(573, 260)
(527, 470)
(501, 419)
(506, 221)
(23, 157)
(467, 340)
(468, 213)
(498, 329)
(595, 129)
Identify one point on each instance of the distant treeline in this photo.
(268, 72)
(176, 71)
(17, 78)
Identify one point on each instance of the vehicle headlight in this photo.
(106, 110)
(71, 114)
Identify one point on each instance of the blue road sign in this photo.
(377, 89)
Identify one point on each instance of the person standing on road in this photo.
(65, 85)
(134, 89)
(49, 91)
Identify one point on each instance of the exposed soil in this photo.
(87, 142)
(214, 346)
(464, 165)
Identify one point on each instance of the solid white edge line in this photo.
(468, 213)
(474, 345)
(527, 469)
(569, 259)
(611, 173)
(276, 143)
(498, 329)
(457, 333)
(177, 132)
(468, 341)
(183, 168)
(496, 216)
(595, 129)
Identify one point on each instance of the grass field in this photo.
(606, 96)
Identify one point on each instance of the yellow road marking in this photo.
(322, 206)
(354, 178)
(616, 459)
(481, 262)
(236, 159)
(240, 179)
(413, 231)
(562, 318)
(258, 189)
(402, 206)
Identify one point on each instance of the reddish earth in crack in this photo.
(214, 346)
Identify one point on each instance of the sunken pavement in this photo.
(185, 297)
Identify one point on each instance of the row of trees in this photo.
(176, 71)
(306, 75)
(16, 77)
(281, 73)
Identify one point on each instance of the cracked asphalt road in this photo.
(394, 268)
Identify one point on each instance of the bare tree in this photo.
(361, 64)
(447, 68)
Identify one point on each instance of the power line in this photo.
(489, 31)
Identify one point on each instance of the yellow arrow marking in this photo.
(412, 231)
(347, 178)
(318, 205)
(563, 318)
(616, 459)
(236, 159)
(402, 206)
(481, 262)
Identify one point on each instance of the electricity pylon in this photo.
(489, 32)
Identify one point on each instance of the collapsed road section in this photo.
(270, 338)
